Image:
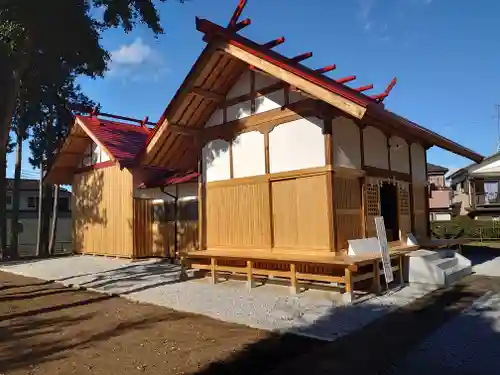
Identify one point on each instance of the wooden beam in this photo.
(303, 84)
(384, 173)
(273, 43)
(387, 91)
(211, 95)
(182, 130)
(326, 69)
(241, 25)
(364, 88)
(261, 121)
(345, 79)
(237, 13)
(301, 57)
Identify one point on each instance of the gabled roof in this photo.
(226, 56)
(464, 171)
(436, 169)
(121, 141)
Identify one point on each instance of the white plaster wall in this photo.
(241, 87)
(346, 143)
(216, 163)
(297, 145)
(263, 80)
(101, 155)
(418, 163)
(216, 118)
(238, 111)
(249, 155)
(400, 157)
(270, 101)
(375, 148)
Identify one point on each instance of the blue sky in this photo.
(445, 54)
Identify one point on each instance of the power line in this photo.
(497, 116)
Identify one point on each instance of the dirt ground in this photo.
(48, 329)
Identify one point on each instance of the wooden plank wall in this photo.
(348, 210)
(300, 213)
(239, 212)
(103, 212)
(158, 239)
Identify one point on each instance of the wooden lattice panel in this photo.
(404, 206)
(372, 200)
(404, 199)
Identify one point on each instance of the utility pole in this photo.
(497, 116)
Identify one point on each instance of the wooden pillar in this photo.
(376, 277)
(267, 162)
(388, 143)
(332, 220)
(427, 218)
(201, 198)
(412, 204)
(362, 181)
(294, 288)
(231, 159)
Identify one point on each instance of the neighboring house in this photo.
(28, 214)
(285, 159)
(476, 189)
(440, 195)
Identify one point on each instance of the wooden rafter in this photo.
(273, 43)
(346, 79)
(211, 95)
(326, 69)
(385, 94)
(242, 24)
(237, 13)
(364, 88)
(301, 57)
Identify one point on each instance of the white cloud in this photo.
(137, 61)
(132, 54)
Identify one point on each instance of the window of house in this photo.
(32, 202)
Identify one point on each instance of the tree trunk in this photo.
(39, 250)
(53, 228)
(3, 201)
(46, 210)
(16, 196)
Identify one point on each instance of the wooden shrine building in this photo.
(290, 164)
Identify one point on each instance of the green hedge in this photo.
(465, 227)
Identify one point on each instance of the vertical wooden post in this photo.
(349, 290)
(231, 160)
(376, 277)
(201, 198)
(213, 266)
(293, 279)
(362, 180)
(401, 270)
(427, 218)
(253, 95)
(329, 150)
(250, 283)
(267, 169)
(388, 142)
(412, 201)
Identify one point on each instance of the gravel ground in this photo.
(312, 313)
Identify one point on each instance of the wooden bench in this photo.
(353, 269)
